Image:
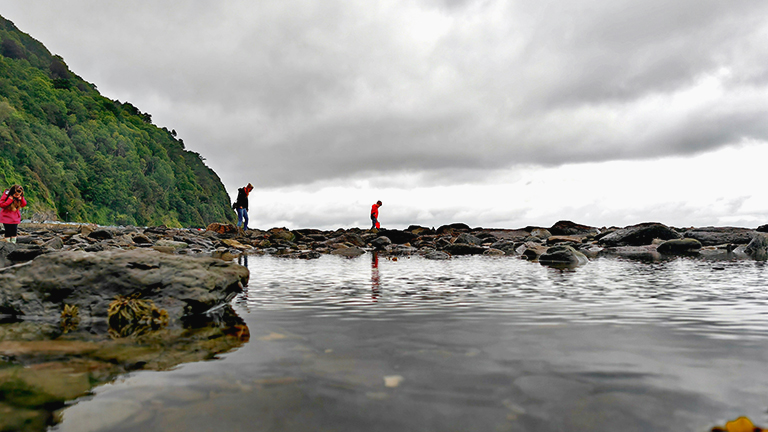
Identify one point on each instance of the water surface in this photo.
(469, 344)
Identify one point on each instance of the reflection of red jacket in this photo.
(8, 216)
(375, 211)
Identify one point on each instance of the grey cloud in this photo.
(295, 92)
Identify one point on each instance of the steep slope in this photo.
(84, 157)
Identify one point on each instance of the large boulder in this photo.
(639, 235)
(180, 285)
(713, 236)
(567, 228)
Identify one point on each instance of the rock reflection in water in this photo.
(44, 366)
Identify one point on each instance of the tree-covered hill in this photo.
(84, 157)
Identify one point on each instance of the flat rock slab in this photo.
(179, 284)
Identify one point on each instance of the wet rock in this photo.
(758, 247)
(563, 256)
(712, 236)
(686, 246)
(639, 235)
(91, 281)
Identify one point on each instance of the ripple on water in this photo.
(688, 294)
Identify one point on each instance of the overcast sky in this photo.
(492, 113)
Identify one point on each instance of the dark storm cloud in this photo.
(297, 91)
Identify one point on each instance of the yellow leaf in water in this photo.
(741, 424)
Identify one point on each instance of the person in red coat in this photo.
(11, 202)
(375, 215)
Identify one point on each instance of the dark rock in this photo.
(25, 253)
(566, 228)
(762, 228)
(563, 256)
(141, 239)
(397, 236)
(101, 234)
(684, 246)
(91, 281)
(468, 239)
(464, 249)
(639, 235)
(712, 236)
(381, 242)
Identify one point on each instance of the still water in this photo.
(469, 344)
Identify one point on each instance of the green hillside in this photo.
(86, 158)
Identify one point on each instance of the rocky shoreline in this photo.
(563, 243)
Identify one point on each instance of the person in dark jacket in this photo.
(241, 205)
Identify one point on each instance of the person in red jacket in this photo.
(11, 203)
(375, 215)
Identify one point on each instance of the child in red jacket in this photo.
(375, 215)
(11, 203)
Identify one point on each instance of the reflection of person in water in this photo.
(375, 281)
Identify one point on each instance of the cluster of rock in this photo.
(565, 242)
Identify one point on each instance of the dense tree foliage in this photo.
(87, 158)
